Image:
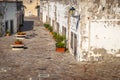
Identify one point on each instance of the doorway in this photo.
(57, 27)
(11, 27)
(75, 45)
(63, 31)
(6, 26)
(41, 17)
(71, 40)
(38, 11)
(49, 20)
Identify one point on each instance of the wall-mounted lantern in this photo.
(72, 11)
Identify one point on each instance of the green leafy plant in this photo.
(60, 38)
(17, 41)
(46, 25)
(8, 31)
(1, 14)
(50, 28)
(60, 45)
(54, 35)
(21, 25)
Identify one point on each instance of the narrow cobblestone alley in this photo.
(39, 61)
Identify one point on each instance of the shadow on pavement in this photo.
(28, 25)
(31, 36)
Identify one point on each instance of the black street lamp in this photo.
(72, 11)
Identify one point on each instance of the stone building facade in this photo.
(91, 30)
(31, 7)
(12, 16)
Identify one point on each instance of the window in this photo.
(72, 40)
(63, 31)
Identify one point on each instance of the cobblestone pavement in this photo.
(39, 61)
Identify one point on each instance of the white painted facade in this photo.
(75, 29)
(105, 34)
(62, 19)
(52, 12)
(11, 13)
(44, 11)
(88, 33)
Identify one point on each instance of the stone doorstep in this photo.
(17, 49)
(20, 45)
(117, 55)
(20, 38)
(20, 35)
(33, 78)
(44, 75)
(40, 76)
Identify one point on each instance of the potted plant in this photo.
(8, 33)
(46, 26)
(21, 33)
(60, 38)
(21, 25)
(50, 29)
(54, 35)
(60, 47)
(18, 42)
(1, 14)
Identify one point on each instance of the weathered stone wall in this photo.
(1, 17)
(99, 23)
(95, 15)
(105, 34)
(30, 5)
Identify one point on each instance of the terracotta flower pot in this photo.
(21, 33)
(46, 29)
(18, 42)
(60, 49)
(50, 33)
(7, 34)
(54, 39)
